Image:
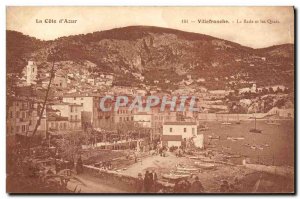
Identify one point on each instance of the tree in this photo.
(53, 56)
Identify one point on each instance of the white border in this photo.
(5, 3)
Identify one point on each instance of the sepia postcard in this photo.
(150, 100)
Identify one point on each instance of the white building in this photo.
(91, 81)
(31, 73)
(87, 103)
(72, 112)
(176, 132)
(143, 119)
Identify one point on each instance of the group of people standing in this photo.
(147, 184)
(185, 186)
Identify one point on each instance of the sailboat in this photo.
(255, 130)
(226, 123)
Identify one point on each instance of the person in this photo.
(71, 164)
(139, 183)
(154, 180)
(160, 151)
(224, 188)
(186, 186)
(147, 185)
(79, 166)
(235, 186)
(176, 188)
(151, 181)
(57, 166)
(196, 186)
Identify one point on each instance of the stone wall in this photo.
(112, 178)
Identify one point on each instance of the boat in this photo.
(226, 123)
(175, 176)
(285, 171)
(187, 169)
(235, 138)
(232, 156)
(205, 165)
(255, 130)
(214, 137)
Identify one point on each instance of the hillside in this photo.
(160, 54)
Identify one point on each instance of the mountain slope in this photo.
(161, 54)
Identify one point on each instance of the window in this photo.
(76, 117)
(171, 130)
(184, 130)
(193, 131)
(74, 98)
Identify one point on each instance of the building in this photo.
(23, 114)
(60, 81)
(72, 112)
(175, 133)
(160, 117)
(123, 114)
(31, 73)
(57, 123)
(91, 81)
(87, 102)
(143, 119)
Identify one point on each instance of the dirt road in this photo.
(94, 185)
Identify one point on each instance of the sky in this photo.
(91, 19)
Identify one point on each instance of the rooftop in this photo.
(180, 123)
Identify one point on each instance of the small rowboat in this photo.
(175, 176)
(205, 165)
